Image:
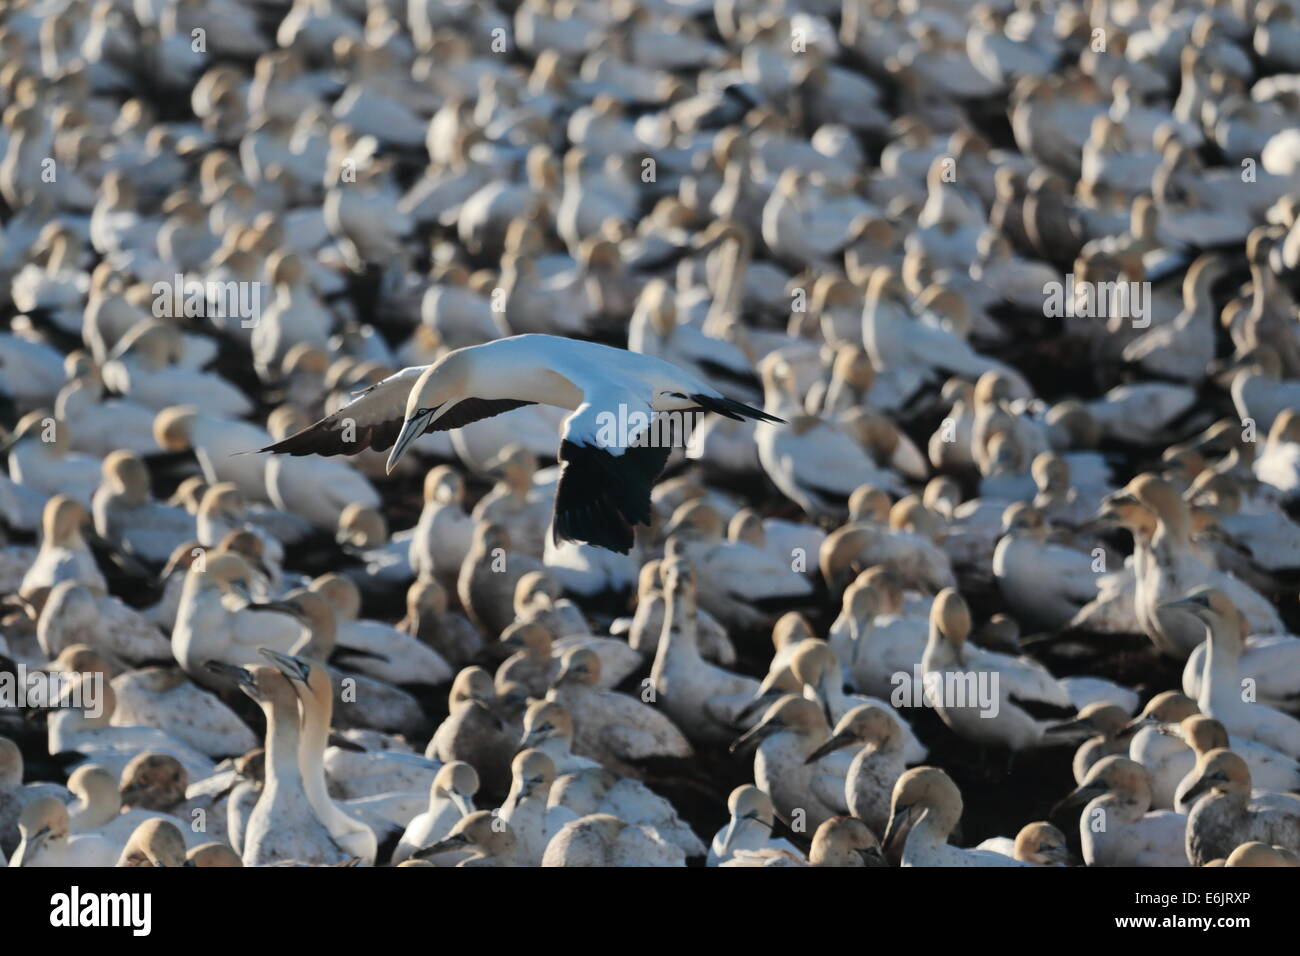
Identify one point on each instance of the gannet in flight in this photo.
(610, 452)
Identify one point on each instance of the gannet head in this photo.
(921, 792)
(533, 772)
(789, 714)
(457, 781)
(1167, 707)
(213, 854)
(528, 636)
(438, 388)
(1113, 774)
(1215, 610)
(1204, 733)
(790, 628)
(747, 802)
(153, 781)
(155, 842)
(815, 667)
(1043, 844)
(443, 485)
(125, 473)
(869, 503)
(545, 720)
(580, 665)
(950, 620)
(1219, 770)
(43, 821)
(864, 725)
(845, 841)
(482, 830)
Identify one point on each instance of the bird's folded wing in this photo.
(375, 417)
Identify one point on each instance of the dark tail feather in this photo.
(730, 408)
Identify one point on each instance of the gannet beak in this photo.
(282, 607)
(294, 668)
(753, 735)
(242, 677)
(412, 429)
(1185, 604)
(832, 745)
(442, 846)
(38, 840)
(1080, 794)
(460, 803)
(900, 823)
(1202, 786)
(1067, 727)
(872, 856)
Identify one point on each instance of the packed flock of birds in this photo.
(421, 251)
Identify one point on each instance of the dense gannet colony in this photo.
(650, 433)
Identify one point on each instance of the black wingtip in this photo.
(737, 411)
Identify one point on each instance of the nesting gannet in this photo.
(474, 731)
(492, 843)
(1040, 844)
(165, 698)
(384, 651)
(127, 518)
(878, 762)
(1044, 584)
(1024, 688)
(484, 380)
(429, 621)
(925, 808)
(1174, 569)
(749, 829)
(74, 614)
(872, 637)
(488, 578)
(46, 840)
(216, 619)
(317, 490)
(91, 732)
(42, 459)
(1226, 815)
(788, 734)
(612, 728)
(156, 842)
(604, 840)
(734, 576)
(1117, 827)
(1108, 723)
(532, 820)
(1221, 690)
(514, 503)
(697, 695)
(1271, 771)
(536, 660)
(444, 532)
(98, 807)
(15, 795)
(64, 554)
(215, 441)
(283, 827)
(312, 686)
(816, 668)
(451, 798)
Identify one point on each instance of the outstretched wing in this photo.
(374, 419)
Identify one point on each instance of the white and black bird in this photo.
(613, 447)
